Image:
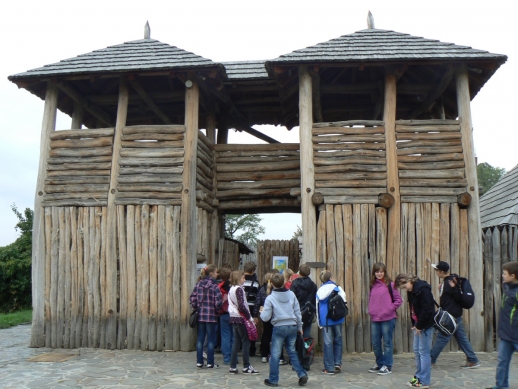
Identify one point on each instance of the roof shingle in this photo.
(499, 206)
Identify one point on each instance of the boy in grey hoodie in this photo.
(282, 308)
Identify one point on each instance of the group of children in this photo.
(238, 298)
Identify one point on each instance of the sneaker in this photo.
(433, 365)
(303, 380)
(328, 372)
(470, 365)
(213, 366)
(250, 370)
(412, 381)
(232, 370)
(282, 362)
(264, 359)
(374, 369)
(199, 365)
(338, 368)
(418, 384)
(384, 371)
(268, 383)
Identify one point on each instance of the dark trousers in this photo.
(240, 339)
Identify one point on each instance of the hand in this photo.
(453, 284)
(300, 332)
(417, 331)
(256, 320)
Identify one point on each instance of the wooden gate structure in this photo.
(132, 196)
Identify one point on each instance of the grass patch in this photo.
(13, 319)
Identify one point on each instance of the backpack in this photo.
(466, 292)
(305, 349)
(307, 311)
(336, 307)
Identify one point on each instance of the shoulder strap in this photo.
(391, 292)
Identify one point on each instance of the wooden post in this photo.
(38, 236)
(394, 212)
(110, 314)
(307, 169)
(77, 116)
(188, 215)
(474, 225)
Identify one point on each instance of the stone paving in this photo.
(90, 368)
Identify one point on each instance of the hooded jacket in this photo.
(421, 302)
(282, 309)
(206, 296)
(508, 321)
(450, 299)
(305, 290)
(381, 306)
(322, 303)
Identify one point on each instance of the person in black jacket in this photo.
(305, 290)
(422, 310)
(450, 301)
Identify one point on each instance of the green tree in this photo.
(245, 228)
(297, 233)
(488, 176)
(15, 265)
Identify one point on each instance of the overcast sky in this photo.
(36, 33)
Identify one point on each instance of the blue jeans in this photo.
(463, 341)
(422, 346)
(332, 346)
(505, 353)
(227, 337)
(206, 329)
(284, 335)
(385, 330)
(240, 339)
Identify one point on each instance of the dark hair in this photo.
(249, 267)
(277, 280)
(227, 265)
(207, 270)
(275, 271)
(235, 277)
(377, 267)
(304, 270)
(224, 273)
(404, 278)
(511, 268)
(325, 275)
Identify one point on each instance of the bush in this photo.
(15, 266)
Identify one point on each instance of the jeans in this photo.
(463, 341)
(505, 353)
(240, 339)
(422, 346)
(284, 335)
(266, 338)
(332, 346)
(227, 337)
(385, 330)
(206, 329)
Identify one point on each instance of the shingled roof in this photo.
(373, 45)
(499, 206)
(139, 55)
(246, 70)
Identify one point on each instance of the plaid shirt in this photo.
(207, 297)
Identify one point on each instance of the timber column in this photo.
(307, 169)
(38, 231)
(394, 212)
(476, 318)
(188, 216)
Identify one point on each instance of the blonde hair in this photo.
(287, 274)
(267, 280)
(404, 278)
(235, 277)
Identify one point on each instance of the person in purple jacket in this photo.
(207, 298)
(384, 300)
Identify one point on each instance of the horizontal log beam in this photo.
(246, 193)
(148, 178)
(429, 199)
(132, 161)
(155, 129)
(250, 204)
(351, 184)
(252, 167)
(152, 136)
(447, 173)
(152, 144)
(83, 188)
(431, 158)
(351, 176)
(152, 153)
(257, 147)
(367, 123)
(140, 201)
(78, 134)
(350, 168)
(258, 184)
(445, 183)
(428, 122)
(82, 143)
(348, 130)
(430, 165)
(86, 152)
(165, 188)
(351, 199)
(106, 166)
(79, 160)
(429, 150)
(439, 128)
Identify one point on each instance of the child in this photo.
(306, 291)
(450, 301)
(384, 300)
(237, 308)
(251, 287)
(333, 329)
(288, 278)
(206, 297)
(422, 310)
(507, 324)
(282, 308)
(227, 335)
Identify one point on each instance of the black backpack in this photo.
(336, 307)
(466, 293)
(307, 311)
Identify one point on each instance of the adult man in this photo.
(450, 301)
(251, 287)
(305, 290)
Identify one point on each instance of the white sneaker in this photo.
(264, 359)
(250, 370)
(384, 371)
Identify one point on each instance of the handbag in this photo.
(444, 322)
(251, 330)
(193, 319)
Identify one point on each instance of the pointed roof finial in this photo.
(370, 21)
(147, 31)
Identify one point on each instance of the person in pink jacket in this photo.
(384, 300)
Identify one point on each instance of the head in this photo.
(406, 281)
(275, 271)
(209, 271)
(227, 265)
(287, 274)
(249, 268)
(237, 277)
(277, 281)
(510, 272)
(379, 272)
(442, 269)
(267, 281)
(224, 273)
(304, 270)
(326, 276)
